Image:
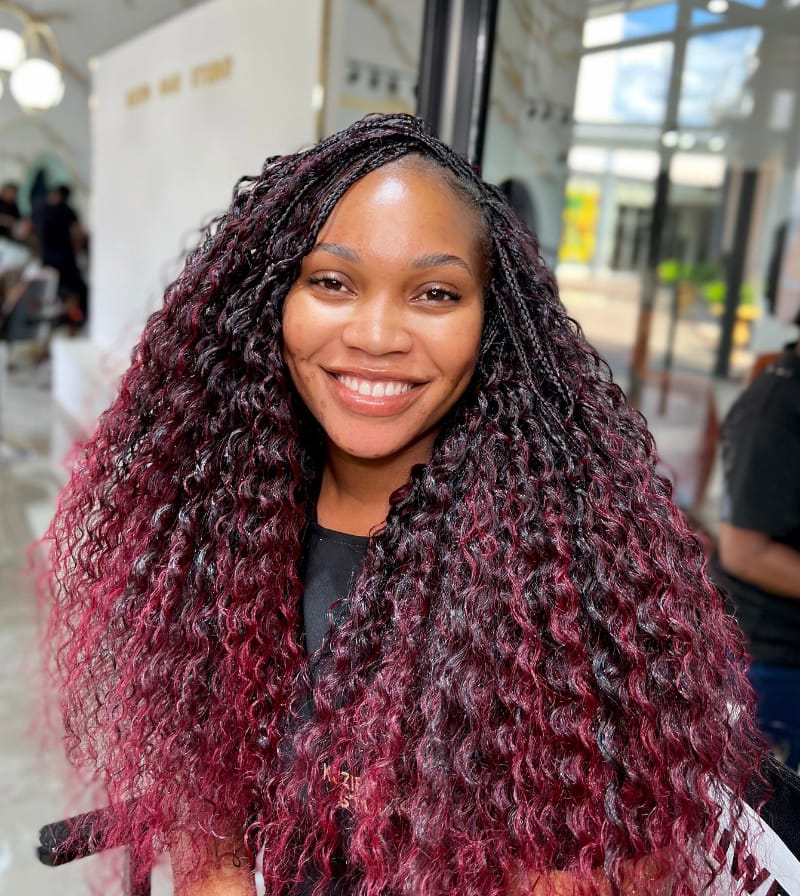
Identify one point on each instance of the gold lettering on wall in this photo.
(138, 95)
(209, 72)
(199, 76)
(170, 84)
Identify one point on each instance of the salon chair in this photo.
(81, 836)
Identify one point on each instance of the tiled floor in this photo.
(31, 779)
(30, 791)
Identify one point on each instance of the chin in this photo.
(368, 453)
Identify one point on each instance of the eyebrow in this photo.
(434, 260)
(337, 249)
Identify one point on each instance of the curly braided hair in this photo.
(536, 674)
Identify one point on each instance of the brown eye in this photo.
(330, 284)
(438, 295)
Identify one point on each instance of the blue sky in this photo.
(716, 69)
(704, 17)
(656, 19)
(715, 72)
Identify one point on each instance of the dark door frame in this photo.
(455, 71)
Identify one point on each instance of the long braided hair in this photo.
(535, 674)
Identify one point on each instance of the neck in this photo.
(354, 493)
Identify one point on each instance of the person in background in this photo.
(61, 238)
(9, 210)
(758, 557)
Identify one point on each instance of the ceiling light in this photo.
(36, 85)
(33, 60)
(687, 141)
(670, 139)
(716, 143)
(12, 49)
(718, 7)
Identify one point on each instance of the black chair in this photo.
(30, 306)
(27, 315)
(81, 836)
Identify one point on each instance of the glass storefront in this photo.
(600, 111)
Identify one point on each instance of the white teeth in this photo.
(373, 388)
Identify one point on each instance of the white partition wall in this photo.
(179, 114)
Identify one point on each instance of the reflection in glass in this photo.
(613, 150)
(702, 17)
(627, 85)
(373, 60)
(717, 69)
(537, 50)
(638, 23)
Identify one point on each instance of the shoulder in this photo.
(770, 405)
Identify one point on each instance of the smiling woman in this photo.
(368, 568)
(381, 334)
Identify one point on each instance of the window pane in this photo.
(655, 20)
(716, 72)
(628, 85)
(702, 17)
(618, 27)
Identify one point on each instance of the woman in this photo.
(363, 394)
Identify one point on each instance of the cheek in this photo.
(289, 323)
(307, 330)
(294, 331)
(459, 354)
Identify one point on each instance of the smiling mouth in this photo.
(374, 388)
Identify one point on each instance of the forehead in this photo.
(405, 203)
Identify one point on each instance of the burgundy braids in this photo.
(536, 673)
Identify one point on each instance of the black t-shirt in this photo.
(761, 467)
(331, 563)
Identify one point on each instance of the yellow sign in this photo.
(579, 234)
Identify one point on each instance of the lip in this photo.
(383, 406)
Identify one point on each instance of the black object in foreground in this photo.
(83, 835)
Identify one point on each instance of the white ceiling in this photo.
(83, 28)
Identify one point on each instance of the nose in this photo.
(378, 325)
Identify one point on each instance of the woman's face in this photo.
(381, 329)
